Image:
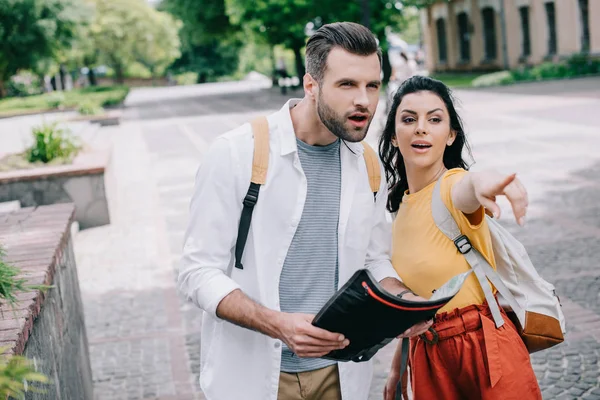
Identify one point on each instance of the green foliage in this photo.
(55, 100)
(33, 30)
(102, 95)
(186, 78)
(17, 373)
(10, 283)
(456, 80)
(209, 42)
(493, 79)
(126, 31)
(90, 108)
(51, 142)
(575, 66)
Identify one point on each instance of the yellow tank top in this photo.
(424, 257)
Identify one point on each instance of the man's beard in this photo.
(336, 124)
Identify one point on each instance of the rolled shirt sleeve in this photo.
(210, 237)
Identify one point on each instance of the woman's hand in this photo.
(488, 185)
(389, 390)
(481, 189)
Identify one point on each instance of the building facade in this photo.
(467, 35)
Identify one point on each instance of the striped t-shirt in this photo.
(310, 271)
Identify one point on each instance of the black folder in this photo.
(370, 317)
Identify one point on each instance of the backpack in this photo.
(530, 302)
(260, 164)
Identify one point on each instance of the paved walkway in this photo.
(145, 340)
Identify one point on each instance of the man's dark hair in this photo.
(354, 38)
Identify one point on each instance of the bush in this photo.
(51, 143)
(187, 78)
(90, 108)
(56, 100)
(549, 71)
(16, 375)
(494, 79)
(583, 64)
(16, 372)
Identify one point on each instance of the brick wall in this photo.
(47, 327)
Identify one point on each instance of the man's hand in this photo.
(488, 185)
(304, 339)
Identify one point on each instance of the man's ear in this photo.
(451, 137)
(311, 86)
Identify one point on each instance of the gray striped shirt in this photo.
(310, 271)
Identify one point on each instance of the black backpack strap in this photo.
(260, 164)
(403, 366)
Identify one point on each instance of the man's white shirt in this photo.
(237, 363)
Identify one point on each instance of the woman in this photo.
(464, 356)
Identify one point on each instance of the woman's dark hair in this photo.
(392, 160)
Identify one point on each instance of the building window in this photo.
(489, 32)
(441, 36)
(526, 44)
(585, 25)
(551, 16)
(464, 43)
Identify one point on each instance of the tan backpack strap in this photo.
(372, 167)
(260, 162)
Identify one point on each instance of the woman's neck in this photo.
(420, 178)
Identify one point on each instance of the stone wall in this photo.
(80, 183)
(47, 327)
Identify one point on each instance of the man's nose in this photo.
(362, 99)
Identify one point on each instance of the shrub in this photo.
(56, 100)
(494, 79)
(90, 108)
(16, 374)
(583, 64)
(51, 142)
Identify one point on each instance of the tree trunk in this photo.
(300, 71)
(2, 89)
(119, 74)
(386, 66)
(366, 13)
(92, 76)
(61, 73)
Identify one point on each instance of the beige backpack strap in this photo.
(260, 162)
(372, 167)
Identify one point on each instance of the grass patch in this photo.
(52, 145)
(102, 95)
(457, 80)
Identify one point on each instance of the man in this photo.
(316, 222)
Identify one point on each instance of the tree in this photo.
(125, 31)
(210, 43)
(33, 30)
(159, 47)
(278, 21)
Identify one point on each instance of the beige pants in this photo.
(321, 384)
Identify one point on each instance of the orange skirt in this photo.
(466, 357)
